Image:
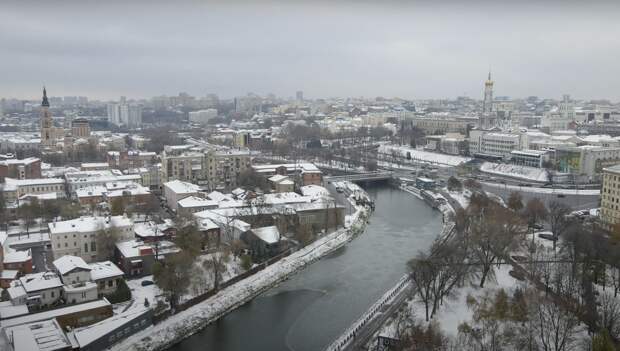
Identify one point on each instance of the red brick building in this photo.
(28, 168)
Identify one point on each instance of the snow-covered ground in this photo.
(462, 197)
(528, 189)
(412, 155)
(515, 171)
(194, 318)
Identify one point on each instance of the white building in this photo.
(202, 116)
(493, 143)
(91, 179)
(77, 237)
(16, 188)
(178, 190)
(75, 275)
(38, 289)
(530, 158)
(106, 275)
(123, 114)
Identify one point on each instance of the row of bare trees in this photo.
(572, 288)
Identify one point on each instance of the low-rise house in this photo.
(38, 290)
(308, 173)
(264, 242)
(20, 261)
(75, 275)
(150, 231)
(77, 237)
(136, 258)
(193, 204)
(107, 276)
(72, 269)
(281, 183)
(178, 190)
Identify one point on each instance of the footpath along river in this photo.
(309, 311)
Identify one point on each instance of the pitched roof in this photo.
(68, 263)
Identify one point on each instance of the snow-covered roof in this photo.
(284, 198)
(68, 263)
(90, 191)
(181, 187)
(8, 310)
(46, 335)
(91, 333)
(536, 153)
(36, 181)
(207, 224)
(290, 167)
(104, 270)
(277, 178)
(10, 274)
(17, 256)
(270, 235)
(314, 191)
(194, 201)
(40, 281)
(89, 224)
(133, 248)
(49, 314)
(218, 196)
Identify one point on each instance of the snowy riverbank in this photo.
(192, 320)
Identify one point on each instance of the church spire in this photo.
(45, 102)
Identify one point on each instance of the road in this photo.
(366, 333)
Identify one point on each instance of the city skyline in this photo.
(408, 50)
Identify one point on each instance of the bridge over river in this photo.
(314, 307)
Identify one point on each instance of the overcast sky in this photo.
(104, 49)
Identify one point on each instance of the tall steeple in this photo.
(487, 104)
(45, 102)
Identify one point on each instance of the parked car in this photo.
(538, 226)
(561, 195)
(146, 283)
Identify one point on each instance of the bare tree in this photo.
(609, 315)
(435, 276)
(216, 263)
(515, 201)
(556, 327)
(173, 275)
(492, 235)
(534, 212)
(105, 241)
(558, 219)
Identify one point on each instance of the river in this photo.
(310, 310)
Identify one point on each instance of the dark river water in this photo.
(309, 311)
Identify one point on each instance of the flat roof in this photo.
(41, 316)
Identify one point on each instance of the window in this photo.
(85, 247)
(52, 294)
(93, 246)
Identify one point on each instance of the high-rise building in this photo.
(124, 114)
(299, 95)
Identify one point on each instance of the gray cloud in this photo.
(396, 48)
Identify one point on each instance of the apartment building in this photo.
(28, 168)
(610, 196)
(77, 237)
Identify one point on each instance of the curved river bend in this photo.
(309, 311)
